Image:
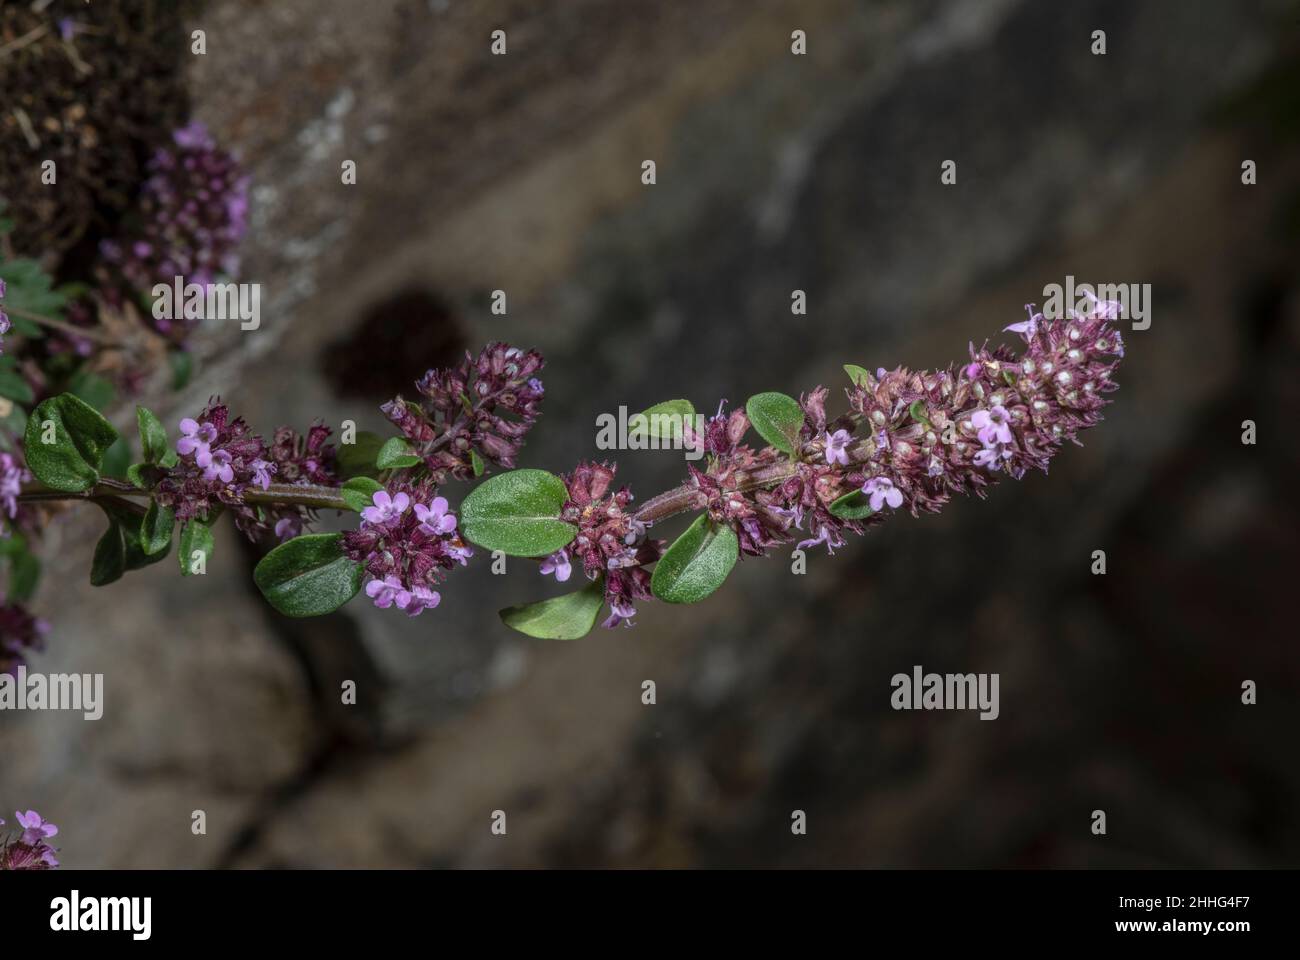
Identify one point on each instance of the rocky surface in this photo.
(775, 172)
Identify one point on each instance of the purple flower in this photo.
(1026, 327)
(434, 519)
(387, 592)
(558, 564)
(620, 612)
(422, 598)
(386, 507)
(218, 467)
(195, 439)
(837, 447)
(262, 471)
(880, 491)
(35, 828)
(288, 527)
(824, 535)
(994, 425)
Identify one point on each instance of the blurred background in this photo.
(775, 172)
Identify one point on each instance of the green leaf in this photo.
(153, 435)
(663, 420)
(852, 506)
(917, 410)
(79, 436)
(560, 618)
(196, 535)
(395, 453)
(777, 418)
(143, 475)
(860, 376)
(308, 576)
(518, 513)
(476, 462)
(156, 528)
(129, 522)
(355, 459)
(697, 563)
(359, 492)
(109, 562)
(117, 460)
(92, 388)
(15, 387)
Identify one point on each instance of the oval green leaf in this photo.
(394, 454)
(78, 437)
(196, 537)
(156, 528)
(855, 505)
(355, 459)
(663, 420)
(778, 418)
(518, 513)
(860, 376)
(359, 492)
(696, 564)
(109, 561)
(308, 576)
(153, 436)
(560, 618)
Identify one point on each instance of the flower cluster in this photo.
(610, 542)
(933, 435)
(31, 849)
(482, 407)
(193, 214)
(406, 542)
(219, 458)
(20, 633)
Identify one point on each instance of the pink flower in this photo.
(35, 828)
(288, 528)
(558, 564)
(388, 592)
(421, 598)
(386, 507)
(1027, 327)
(620, 612)
(434, 519)
(837, 447)
(195, 439)
(218, 467)
(994, 425)
(880, 491)
(262, 471)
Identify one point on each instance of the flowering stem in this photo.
(688, 496)
(297, 495)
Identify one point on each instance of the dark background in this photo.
(775, 172)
